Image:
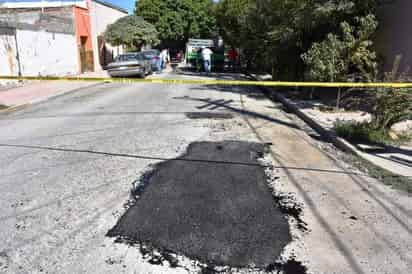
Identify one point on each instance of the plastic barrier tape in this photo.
(216, 82)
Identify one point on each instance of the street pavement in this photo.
(71, 169)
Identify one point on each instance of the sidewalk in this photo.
(37, 91)
(397, 160)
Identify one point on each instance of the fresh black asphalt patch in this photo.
(218, 214)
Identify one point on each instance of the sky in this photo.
(126, 4)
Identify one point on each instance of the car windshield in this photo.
(126, 57)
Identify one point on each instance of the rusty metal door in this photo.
(86, 60)
(86, 56)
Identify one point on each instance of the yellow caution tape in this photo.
(215, 82)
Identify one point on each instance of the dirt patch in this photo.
(208, 115)
(217, 214)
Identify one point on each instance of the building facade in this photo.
(55, 37)
(36, 43)
(83, 37)
(102, 15)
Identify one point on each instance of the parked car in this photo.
(154, 56)
(130, 64)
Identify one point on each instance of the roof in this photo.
(111, 6)
(55, 3)
(41, 4)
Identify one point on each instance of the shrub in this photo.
(391, 105)
(361, 132)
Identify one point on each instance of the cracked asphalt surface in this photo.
(67, 167)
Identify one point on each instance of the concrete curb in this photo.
(43, 99)
(330, 136)
(13, 108)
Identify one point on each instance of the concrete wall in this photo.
(44, 53)
(395, 33)
(51, 19)
(102, 16)
(46, 42)
(41, 53)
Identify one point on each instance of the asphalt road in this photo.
(68, 167)
(69, 164)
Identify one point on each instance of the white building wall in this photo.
(44, 53)
(41, 53)
(101, 16)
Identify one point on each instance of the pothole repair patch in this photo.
(212, 204)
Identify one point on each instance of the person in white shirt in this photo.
(164, 58)
(207, 59)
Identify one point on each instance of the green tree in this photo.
(132, 31)
(275, 33)
(339, 58)
(231, 20)
(177, 21)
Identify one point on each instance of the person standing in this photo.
(233, 55)
(164, 58)
(207, 59)
(161, 59)
(159, 62)
(179, 56)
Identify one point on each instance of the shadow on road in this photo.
(220, 103)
